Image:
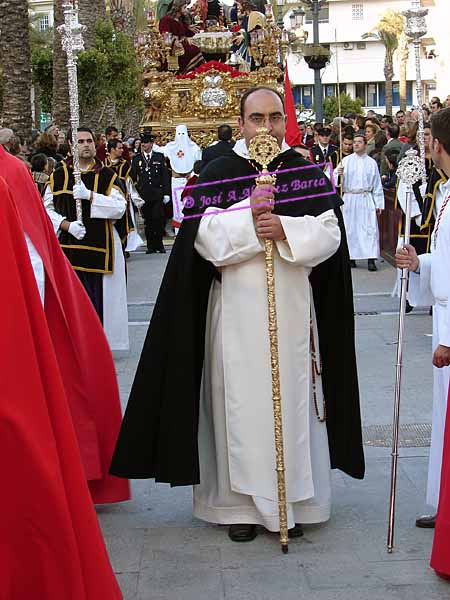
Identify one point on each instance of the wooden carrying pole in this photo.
(263, 148)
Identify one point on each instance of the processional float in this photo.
(410, 170)
(72, 42)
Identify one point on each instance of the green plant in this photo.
(108, 71)
(331, 106)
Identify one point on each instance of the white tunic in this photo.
(432, 286)
(115, 310)
(363, 194)
(236, 440)
(134, 240)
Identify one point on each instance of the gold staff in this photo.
(263, 148)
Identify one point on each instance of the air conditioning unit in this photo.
(348, 46)
(361, 45)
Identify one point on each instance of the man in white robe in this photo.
(429, 283)
(237, 461)
(363, 200)
(113, 309)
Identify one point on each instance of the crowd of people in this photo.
(213, 298)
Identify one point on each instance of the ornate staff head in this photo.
(263, 148)
(415, 29)
(410, 168)
(72, 42)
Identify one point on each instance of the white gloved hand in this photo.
(80, 192)
(77, 229)
(138, 202)
(166, 199)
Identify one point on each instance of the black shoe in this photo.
(426, 522)
(371, 266)
(150, 251)
(161, 250)
(242, 533)
(296, 531)
(408, 308)
(353, 264)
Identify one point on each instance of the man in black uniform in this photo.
(321, 152)
(151, 178)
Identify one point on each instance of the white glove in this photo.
(80, 192)
(138, 202)
(166, 199)
(77, 229)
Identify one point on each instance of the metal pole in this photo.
(409, 172)
(72, 41)
(318, 89)
(416, 28)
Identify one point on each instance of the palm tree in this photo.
(60, 103)
(388, 31)
(404, 56)
(91, 11)
(16, 65)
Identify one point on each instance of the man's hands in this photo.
(441, 357)
(268, 226)
(80, 192)
(406, 258)
(262, 199)
(77, 229)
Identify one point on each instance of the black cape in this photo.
(158, 438)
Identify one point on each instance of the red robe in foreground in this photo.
(51, 546)
(440, 556)
(80, 345)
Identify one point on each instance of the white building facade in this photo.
(358, 63)
(43, 11)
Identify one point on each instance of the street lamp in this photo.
(316, 56)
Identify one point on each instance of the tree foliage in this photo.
(109, 70)
(331, 106)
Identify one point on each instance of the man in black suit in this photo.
(321, 152)
(151, 178)
(307, 139)
(223, 147)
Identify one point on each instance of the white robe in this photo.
(363, 194)
(134, 240)
(236, 440)
(115, 309)
(432, 286)
(178, 185)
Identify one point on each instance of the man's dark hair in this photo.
(399, 112)
(112, 144)
(392, 155)
(394, 130)
(388, 119)
(38, 162)
(197, 166)
(348, 136)
(360, 135)
(111, 129)
(224, 133)
(440, 128)
(251, 91)
(79, 130)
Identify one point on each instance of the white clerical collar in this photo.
(240, 148)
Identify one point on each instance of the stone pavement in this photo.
(160, 552)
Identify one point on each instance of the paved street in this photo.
(160, 552)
